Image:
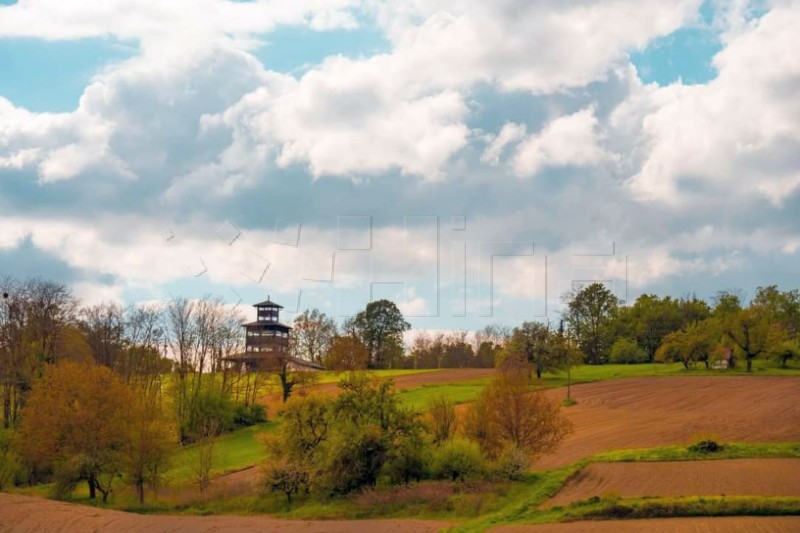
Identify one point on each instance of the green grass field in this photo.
(233, 451)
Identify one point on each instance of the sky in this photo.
(473, 161)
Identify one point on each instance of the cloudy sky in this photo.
(471, 160)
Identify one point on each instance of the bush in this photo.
(626, 351)
(512, 463)
(458, 459)
(442, 416)
(211, 414)
(705, 445)
(249, 415)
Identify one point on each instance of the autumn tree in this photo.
(346, 352)
(588, 317)
(76, 423)
(507, 413)
(313, 332)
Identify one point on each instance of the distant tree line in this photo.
(686, 330)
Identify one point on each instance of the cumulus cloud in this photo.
(736, 136)
(170, 25)
(193, 130)
(567, 140)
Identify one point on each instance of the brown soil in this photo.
(738, 524)
(647, 412)
(740, 477)
(28, 514)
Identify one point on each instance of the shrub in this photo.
(442, 416)
(249, 415)
(508, 413)
(627, 351)
(212, 413)
(705, 445)
(512, 463)
(458, 459)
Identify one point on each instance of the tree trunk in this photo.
(92, 488)
(140, 491)
(749, 364)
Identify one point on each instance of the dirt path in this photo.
(647, 412)
(30, 514)
(740, 477)
(737, 524)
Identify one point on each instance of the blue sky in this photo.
(245, 149)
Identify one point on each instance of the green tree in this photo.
(589, 319)
(689, 345)
(752, 333)
(627, 351)
(534, 343)
(150, 443)
(727, 303)
(380, 327)
(652, 319)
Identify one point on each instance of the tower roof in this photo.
(268, 303)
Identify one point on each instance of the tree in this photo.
(627, 351)
(753, 334)
(588, 318)
(787, 350)
(313, 332)
(37, 327)
(534, 343)
(149, 445)
(285, 475)
(689, 345)
(652, 319)
(727, 303)
(347, 352)
(781, 307)
(75, 422)
(380, 327)
(508, 413)
(104, 326)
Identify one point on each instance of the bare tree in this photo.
(314, 332)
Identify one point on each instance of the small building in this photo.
(724, 359)
(267, 342)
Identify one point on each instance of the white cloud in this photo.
(569, 140)
(739, 134)
(170, 25)
(510, 133)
